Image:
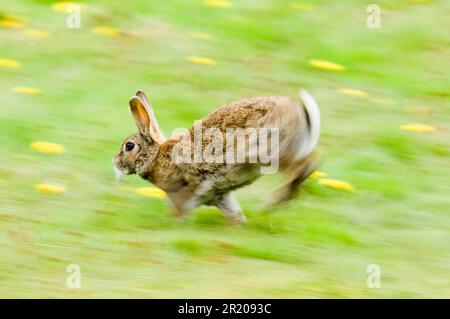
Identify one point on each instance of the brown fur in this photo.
(191, 185)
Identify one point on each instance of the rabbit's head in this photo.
(138, 151)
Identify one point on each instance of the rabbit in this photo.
(149, 154)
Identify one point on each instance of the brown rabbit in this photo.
(294, 127)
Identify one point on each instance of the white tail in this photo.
(309, 141)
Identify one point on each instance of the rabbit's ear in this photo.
(140, 115)
(154, 127)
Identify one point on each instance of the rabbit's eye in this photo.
(129, 146)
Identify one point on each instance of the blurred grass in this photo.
(318, 246)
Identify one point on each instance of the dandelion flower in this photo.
(419, 128)
(9, 63)
(218, 4)
(36, 33)
(151, 192)
(326, 65)
(27, 90)
(317, 174)
(49, 189)
(201, 60)
(352, 92)
(302, 6)
(11, 23)
(332, 183)
(108, 31)
(47, 147)
(65, 6)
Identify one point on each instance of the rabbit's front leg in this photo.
(183, 201)
(229, 206)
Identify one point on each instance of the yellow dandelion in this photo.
(49, 189)
(47, 147)
(302, 6)
(317, 174)
(11, 23)
(108, 31)
(65, 6)
(9, 63)
(419, 128)
(27, 90)
(151, 192)
(36, 33)
(352, 92)
(326, 65)
(14, 17)
(218, 3)
(332, 183)
(200, 35)
(201, 60)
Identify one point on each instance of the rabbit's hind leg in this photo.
(229, 206)
(299, 171)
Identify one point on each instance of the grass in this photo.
(320, 245)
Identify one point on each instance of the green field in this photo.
(319, 245)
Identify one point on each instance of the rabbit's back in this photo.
(252, 113)
(282, 113)
(278, 112)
